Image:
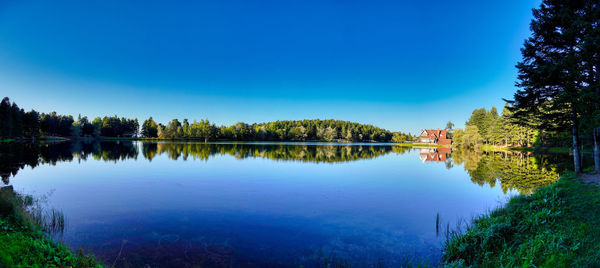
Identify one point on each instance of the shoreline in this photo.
(25, 239)
(557, 226)
(483, 148)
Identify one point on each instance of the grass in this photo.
(6, 140)
(494, 148)
(23, 235)
(420, 145)
(559, 150)
(558, 226)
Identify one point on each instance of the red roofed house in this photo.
(434, 136)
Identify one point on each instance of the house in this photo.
(434, 136)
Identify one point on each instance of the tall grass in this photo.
(558, 226)
(22, 242)
(51, 220)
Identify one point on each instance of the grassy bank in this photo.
(23, 242)
(494, 148)
(410, 145)
(558, 226)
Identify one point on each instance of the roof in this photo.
(434, 133)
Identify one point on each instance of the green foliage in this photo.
(15, 122)
(56, 125)
(520, 171)
(558, 226)
(487, 127)
(304, 153)
(149, 129)
(301, 130)
(399, 137)
(482, 120)
(559, 75)
(22, 244)
(118, 127)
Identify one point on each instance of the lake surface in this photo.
(175, 204)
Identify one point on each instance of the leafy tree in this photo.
(471, 136)
(449, 129)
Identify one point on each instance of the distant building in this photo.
(434, 136)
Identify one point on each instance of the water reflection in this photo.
(328, 153)
(522, 171)
(285, 205)
(434, 154)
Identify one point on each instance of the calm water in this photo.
(265, 205)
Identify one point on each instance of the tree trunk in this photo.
(576, 155)
(596, 150)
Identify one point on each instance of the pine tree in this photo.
(550, 73)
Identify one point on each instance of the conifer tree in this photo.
(550, 73)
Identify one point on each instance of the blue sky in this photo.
(401, 65)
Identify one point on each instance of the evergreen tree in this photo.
(551, 72)
(5, 118)
(149, 128)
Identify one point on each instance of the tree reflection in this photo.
(521, 171)
(524, 172)
(15, 156)
(285, 152)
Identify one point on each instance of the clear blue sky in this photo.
(401, 65)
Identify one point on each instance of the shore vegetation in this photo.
(24, 235)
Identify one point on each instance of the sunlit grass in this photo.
(558, 226)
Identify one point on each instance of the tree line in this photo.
(490, 128)
(16, 123)
(298, 130)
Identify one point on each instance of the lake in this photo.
(184, 204)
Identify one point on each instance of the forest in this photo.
(490, 128)
(299, 130)
(15, 123)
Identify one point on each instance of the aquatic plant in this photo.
(22, 240)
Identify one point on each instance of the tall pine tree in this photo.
(551, 72)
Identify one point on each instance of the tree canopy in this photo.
(559, 73)
(18, 124)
